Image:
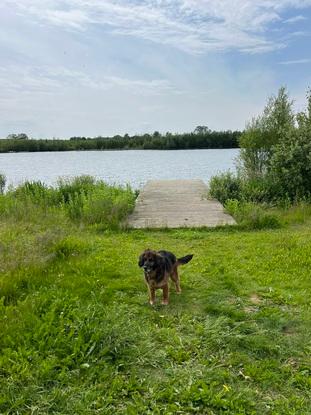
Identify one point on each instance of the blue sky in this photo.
(102, 67)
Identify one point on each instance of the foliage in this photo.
(264, 132)
(81, 199)
(225, 186)
(201, 137)
(291, 166)
(20, 136)
(291, 160)
(228, 186)
(201, 129)
(275, 157)
(78, 337)
(2, 183)
(69, 189)
(251, 215)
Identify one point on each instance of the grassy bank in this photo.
(82, 200)
(78, 337)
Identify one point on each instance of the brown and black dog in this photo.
(158, 267)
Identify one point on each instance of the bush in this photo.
(263, 190)
(225, 186)
(263, 133)
(291, 166)
(2, 183)
(275, 158)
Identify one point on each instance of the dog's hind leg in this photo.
(175, 278)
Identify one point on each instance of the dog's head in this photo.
(150, 261)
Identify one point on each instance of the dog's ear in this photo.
(141, 260)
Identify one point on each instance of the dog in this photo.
(158, 267)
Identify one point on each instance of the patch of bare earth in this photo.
(255, 299)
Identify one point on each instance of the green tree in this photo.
(290, 167)
(264, 132)
(201, 129)
(20, 136)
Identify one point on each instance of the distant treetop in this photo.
(20, 136)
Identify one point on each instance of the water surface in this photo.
(125, 166)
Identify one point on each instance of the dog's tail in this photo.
(184, 260)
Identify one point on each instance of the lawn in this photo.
(79, 337)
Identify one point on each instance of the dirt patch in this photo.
(251, 309)
(288, 330)
(255, 299)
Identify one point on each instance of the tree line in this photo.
(201, 138)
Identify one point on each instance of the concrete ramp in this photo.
(177, 204)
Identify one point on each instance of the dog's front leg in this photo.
(151, 295)
(165, 294)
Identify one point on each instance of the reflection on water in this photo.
(132, 166)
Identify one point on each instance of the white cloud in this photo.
(295, 19)
(295, 62)
(195, 26)
(17, 81)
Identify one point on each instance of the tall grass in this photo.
(82, 199)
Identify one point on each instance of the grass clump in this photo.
(252, 216)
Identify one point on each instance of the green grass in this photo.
(78, 336)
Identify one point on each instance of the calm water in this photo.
(133, 166)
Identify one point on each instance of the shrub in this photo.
(2, 183)
(263, 133)
(225, 186)
(261, 190)
(275, 157)
(291, 166)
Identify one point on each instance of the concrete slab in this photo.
(176, 204)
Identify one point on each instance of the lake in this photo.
(126, 166)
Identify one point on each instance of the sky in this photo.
(106, 67)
